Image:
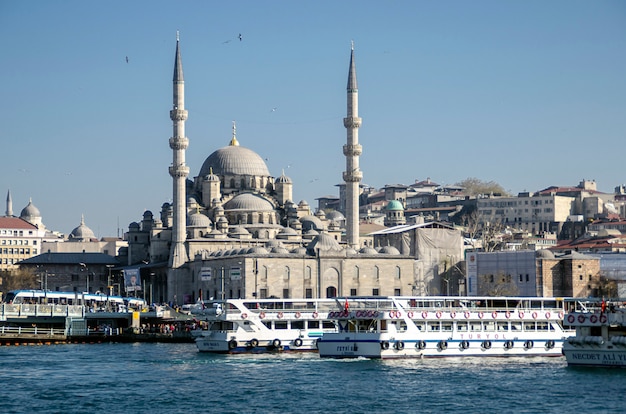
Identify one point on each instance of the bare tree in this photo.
(485, 235)
(497, 285)
(17, 279)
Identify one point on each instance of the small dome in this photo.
(544, 254)
(394, 205)
(238, 230)
(323, 242)
(198, 220)
(133, 226)
(389, 250)
(283, 179)
(29, 212)
(82, 232)
(288, 231)
(368, 250)
(147, 215)
(249, 201)
(311, 223)
(279, 250)
(257, 250)
(335, 216)
(299, 250)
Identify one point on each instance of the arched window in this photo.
(398, 272)
(331, 292)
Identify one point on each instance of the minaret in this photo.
(352, 150)
(9, 212)
(178, 170)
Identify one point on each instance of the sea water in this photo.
(176, 378)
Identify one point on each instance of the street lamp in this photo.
(109, 286)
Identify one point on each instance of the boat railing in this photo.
(35, 331)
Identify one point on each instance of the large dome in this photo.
(30, 211)
(234, 160)
(82, 232)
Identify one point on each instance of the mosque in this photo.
(234, 231)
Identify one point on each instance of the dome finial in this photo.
(233, 141)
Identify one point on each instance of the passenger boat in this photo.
(264, 325)
(410, 327)
(600, 339)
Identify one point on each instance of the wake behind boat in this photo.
(265, 325)
(409, 327)
(600, 339)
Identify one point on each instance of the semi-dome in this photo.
(234, 160)
(82, 232)
(250, 202)
(544, 254)
(311, 223)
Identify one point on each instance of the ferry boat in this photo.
(409, 327)
(264, 325)
(600, 339)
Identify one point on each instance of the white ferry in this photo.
(409, 327)
(265, 325)
(600, 339)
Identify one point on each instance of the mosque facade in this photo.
(243, 236)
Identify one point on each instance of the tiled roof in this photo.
(15, 223)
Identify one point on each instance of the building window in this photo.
(263, 293)
(308, 293)
(375, 292)
(285, 293)
(352, 292)
(396, 292)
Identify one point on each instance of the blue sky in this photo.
(525, 93)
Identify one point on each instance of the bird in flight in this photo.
(126, 59)
(274, 109)
(240, 37)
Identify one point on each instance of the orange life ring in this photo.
(262, 315)
(603, 318)
(244, 315)
(593, 319)
(467, 314)
(561, 315)
(547, 315)
(315, 314)
(452, 314)
(280, 315)
(481, 315)
(494, 314)
(571, 318)
(581, 318)
(392, 314)
(298, 314)
(521, 315)
(438, 314)
(424, 314)
(410, 314)
(534, 315)
(508, 314)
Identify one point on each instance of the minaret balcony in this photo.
(352, 150)
(178, 171)
(352, 122)
(178, 114)
(354, 176)
(179, 143)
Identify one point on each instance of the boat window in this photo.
(462, 326)
(516, 326)
(400, 326)
(268, 324)
(314, 324)
(433, 326)
(503, 326)
(446, 326)
(420, 326)
(280, 325)
(543, 326)
(490, 326)
(328, 325)
(297, 324)
(475, 327)
(529, 326)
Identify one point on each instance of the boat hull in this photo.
(414, 348)
(607, 355)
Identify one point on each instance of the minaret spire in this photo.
(352, 150)
(178, 170)
(9, 212)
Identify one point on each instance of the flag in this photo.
(346, 306)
